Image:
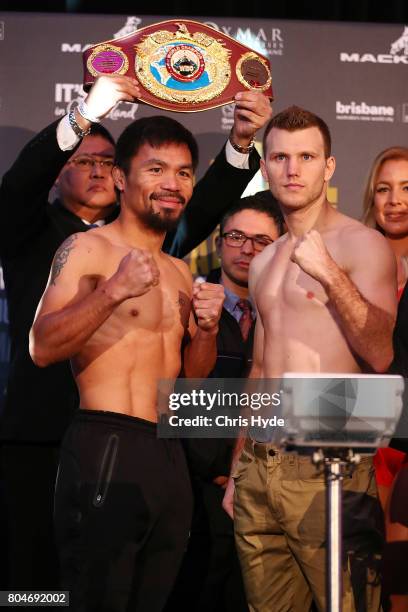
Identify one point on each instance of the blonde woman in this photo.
(386, 209)
(386, 204)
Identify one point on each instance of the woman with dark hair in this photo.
(386, 209)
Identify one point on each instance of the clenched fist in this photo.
(311, 254)
(208, 299)
(137, 273)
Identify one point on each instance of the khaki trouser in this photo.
(279, 517)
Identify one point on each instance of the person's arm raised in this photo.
(252, 112)
(226, 178)
(363, 295)
(76, 302)
(25, 186)
(103, 96)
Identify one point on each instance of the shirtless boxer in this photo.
(31, 230)
(120, 308)
(325, 293)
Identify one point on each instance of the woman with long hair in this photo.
(386, 209)
(386, 204)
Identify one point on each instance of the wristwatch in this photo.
(241, 149)
(76, 127)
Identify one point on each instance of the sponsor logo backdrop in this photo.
(353, 75)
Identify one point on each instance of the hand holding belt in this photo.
(181, 65)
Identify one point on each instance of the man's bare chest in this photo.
(283, 284)
(164, 307)
(159, 309)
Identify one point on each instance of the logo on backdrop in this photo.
(400, 46)
(1, 30)
(269, 42)
(361, 111)
(266, 41)
(69, 95)
(398, 53)
(132, 24)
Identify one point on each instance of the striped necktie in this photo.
(245, 321)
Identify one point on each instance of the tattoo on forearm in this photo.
(61, 257)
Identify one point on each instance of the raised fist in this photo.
(137, 273)
(208, 299)
(311, 254)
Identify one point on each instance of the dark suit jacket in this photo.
(400, 366)
(211, 457)
(40, 402)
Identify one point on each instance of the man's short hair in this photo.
(262, 202)
(97, 129)
(156, 131)
(295, 118)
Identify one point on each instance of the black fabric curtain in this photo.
(336, 10)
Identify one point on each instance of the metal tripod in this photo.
(337, 463)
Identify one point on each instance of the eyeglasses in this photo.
(238, 239)
(86, 163)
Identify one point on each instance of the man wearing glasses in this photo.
(86, 163)
(245, 231)
(40, 403)
(211, 574)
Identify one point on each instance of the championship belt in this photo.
(181, 65)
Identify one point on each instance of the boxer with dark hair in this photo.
(120, 309)
(80, 165)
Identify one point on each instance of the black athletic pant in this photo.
(122, 513)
